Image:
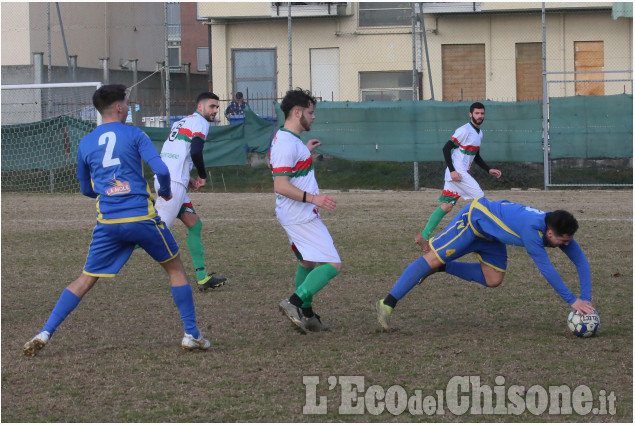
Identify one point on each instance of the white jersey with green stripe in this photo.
(467, 141)
(290, 157)
(176, 149)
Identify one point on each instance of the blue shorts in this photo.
(113, 244)
(459, 239)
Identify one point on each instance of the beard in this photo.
(477, 121)
(306, 125)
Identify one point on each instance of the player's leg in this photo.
(195, 245)
(159, 243)
(489, 271)
(315, 245)
(169, 210)
(448, 199)
(456, 237)
(106, 256)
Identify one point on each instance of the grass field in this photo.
(117, 357)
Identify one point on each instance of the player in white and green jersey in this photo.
(297, 201)
(181, 151)
(459, 152)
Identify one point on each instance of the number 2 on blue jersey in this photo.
(110, 139)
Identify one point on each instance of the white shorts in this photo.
(467, 188)
(169, 210)
(313, 241)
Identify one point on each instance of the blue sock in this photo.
(409, 278)
(466, 271)
(67, 303)
(182, 296)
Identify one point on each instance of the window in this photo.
(174, 21)
(174, 58)
(589, 57)
(202, 59)
(384, 14)
(463, 69)
(254, 74)
(390, 85)
(528, 71)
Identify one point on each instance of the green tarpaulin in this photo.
(591, 126)
(417, 130)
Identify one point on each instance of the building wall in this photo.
(16, 40)
(193, 35)
(120, 31)
(390, 49)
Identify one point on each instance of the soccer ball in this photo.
(584, 325)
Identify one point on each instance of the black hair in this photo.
(105, 96)
(561, 222)
(239, 95)
(476, 105)
(206, 95)
(297, 97)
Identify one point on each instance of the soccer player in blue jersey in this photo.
(110, 169)
(485, 228)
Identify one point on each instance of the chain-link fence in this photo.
(341, 51)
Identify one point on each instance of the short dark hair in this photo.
(561, 222)
(239, 95)
(297, 97)
(105, 96)
(476, 105)
(206, 95)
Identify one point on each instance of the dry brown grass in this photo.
(117, 357)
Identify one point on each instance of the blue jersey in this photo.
(111, 157)
(521, 225)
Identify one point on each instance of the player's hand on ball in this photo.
(583, 307)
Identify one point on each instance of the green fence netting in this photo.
(417, 130)
(591, 126)
(580, 127)
(228, 144)
(45, 145)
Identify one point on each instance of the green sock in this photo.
(300, 277)
(195, 245)
(315, 281)
(433, 222)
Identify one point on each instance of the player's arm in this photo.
(283, 186)
(196, 153)
(83, 175)
(150, 156)
(481, 163)
(540, 257)
(447, 154)
(577, 257)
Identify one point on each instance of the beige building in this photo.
(364, 51)
(118, 31)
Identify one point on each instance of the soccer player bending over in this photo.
(486, 228)
(109, 168)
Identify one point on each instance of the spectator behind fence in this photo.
(237, 106)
